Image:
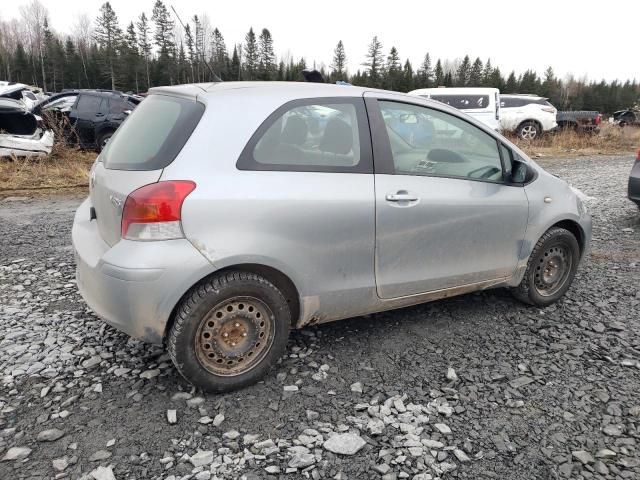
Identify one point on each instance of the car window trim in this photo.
(383, 156)
(246, 160)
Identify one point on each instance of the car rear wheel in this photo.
(528, 130)
(229, 331)
(551, 268)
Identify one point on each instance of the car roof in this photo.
(523, 95)
(293, 89)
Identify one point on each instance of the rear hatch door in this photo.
(149, 140)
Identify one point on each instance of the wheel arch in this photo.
(279, 279)
(530, 120)
(575, 229)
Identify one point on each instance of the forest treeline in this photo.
(157, 48)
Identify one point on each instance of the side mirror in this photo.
(521, 172)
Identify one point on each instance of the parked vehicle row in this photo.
(206, 224)
(87, 118)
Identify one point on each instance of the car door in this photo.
(444, 215)
(84, 115)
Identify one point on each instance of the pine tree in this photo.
(266, 56)
(393, 72)
(425, 73)
(219, 56)
(475, 75)
(439, 74)
(188, 39)
(144, 43)
(339, 63)
(374, 62)
(163, 35)
(235, 69)
(408, 82)
(108, 35)
(463, 72)
(486, 73)
(131, 56)
(512, 84)
(250, 51)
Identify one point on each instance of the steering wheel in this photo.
(490, 170)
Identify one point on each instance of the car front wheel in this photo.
(551, 268)
(229, 331)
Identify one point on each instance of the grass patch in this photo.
(611, 140)
(66, 167)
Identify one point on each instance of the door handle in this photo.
(401, 197)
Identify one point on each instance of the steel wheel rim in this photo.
(552, 270)
(234, 336)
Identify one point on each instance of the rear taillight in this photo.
(154, 212)
(598, 119)
(638, 156)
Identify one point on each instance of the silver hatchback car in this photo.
(220, 216)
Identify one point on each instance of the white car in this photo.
(528, 116)
(20, 92)
(483, 104)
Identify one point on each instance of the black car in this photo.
(88, 117)
(634, 182)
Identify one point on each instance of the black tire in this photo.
(539, 273)
(529, 130)
(103, 139)
(215, 307)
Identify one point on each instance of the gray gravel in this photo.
(473, 387)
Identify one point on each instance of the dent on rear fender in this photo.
(208, 253)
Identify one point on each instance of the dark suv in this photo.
(89, 117)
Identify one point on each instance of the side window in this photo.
(117, 105)
(88, 104)
(310, 136)
(429, 142)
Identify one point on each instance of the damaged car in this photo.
(21, 92)
(87, 118)
(21, 132)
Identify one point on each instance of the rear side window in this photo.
(153, 135)
(324, 135)
(88, 104)
(463, 102)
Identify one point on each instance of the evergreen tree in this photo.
(235, 69)
(439, 74)
(108, 35)
(219, 56)
(425, 73)
(266, 56)
(512, 84)
(131, 57)
(486, 73)
(393, 72)
(408, 82)
(163, 35)
(463, 73)
(144, 43)
(374, 63)
(188, 39)
(475, 76)
(339, 63)
(250, 54)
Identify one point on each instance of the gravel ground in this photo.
(472, 387)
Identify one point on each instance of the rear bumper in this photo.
(133, 286)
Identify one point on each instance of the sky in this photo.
(573, 37)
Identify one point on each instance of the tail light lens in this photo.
(598, 120)
(154, 212)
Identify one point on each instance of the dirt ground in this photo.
(474, 387)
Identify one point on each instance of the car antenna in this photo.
(216, 78)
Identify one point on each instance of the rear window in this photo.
(463, 102)
(153, 135)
